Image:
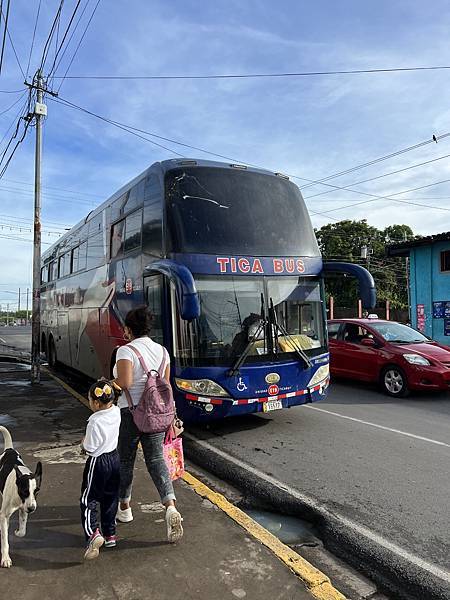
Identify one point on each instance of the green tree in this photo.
(363, 244)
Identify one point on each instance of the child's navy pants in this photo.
(101, 479)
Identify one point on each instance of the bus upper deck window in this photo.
(117, 235)
(133, 231)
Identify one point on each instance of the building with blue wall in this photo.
(429, 283)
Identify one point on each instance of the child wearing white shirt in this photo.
(101, 476)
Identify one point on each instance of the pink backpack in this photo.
(155, 411)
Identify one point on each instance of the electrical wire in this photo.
(260, 75)
(415, 166)
(12, 44)
(79, 43)
(4, 33)
(377, 160)
(72, 35)
(34, 36)
(74, 12)
(133, 131)
(13, 105)
(50, 36)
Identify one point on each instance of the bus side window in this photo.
(74, 260)
(153, 294)
(82, 253)
(44, 274)
(133, 231)
(117, 238)
(52, 271)
(136, 196)
(153, 215)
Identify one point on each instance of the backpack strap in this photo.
(141, 359)
(162, 366)
(129, 400)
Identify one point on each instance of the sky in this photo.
(308, 127)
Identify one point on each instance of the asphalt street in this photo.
(378, 462)
(19, 337)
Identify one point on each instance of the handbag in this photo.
(177, 426)
(173, 455)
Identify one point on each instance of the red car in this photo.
(395, 355)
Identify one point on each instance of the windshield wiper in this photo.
(260, 329)
(278, 327)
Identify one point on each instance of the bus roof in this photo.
(164, 166)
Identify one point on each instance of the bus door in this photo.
(153, 290)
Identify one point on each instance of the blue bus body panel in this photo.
(249, 390)
(211, 264)
(366, 284)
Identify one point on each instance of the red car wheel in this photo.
(394, 382)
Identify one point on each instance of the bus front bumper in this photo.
(199, 408)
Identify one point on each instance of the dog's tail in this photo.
(6, 437)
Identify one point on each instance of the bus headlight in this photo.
(203, 387)
(321, 374)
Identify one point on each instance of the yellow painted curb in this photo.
(67, 387)
(318, 584)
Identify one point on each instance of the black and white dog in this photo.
(18, 489)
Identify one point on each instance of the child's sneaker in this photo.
(174, 526)
(110, 541)
(125, 515)
(96, 541)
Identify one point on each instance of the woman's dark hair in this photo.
(139, 320)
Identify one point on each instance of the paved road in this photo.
(379, 462)
(19, 336)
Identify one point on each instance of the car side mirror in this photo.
(368, 342)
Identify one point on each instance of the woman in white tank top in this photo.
(129, 374)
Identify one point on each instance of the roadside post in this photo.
(40, 110)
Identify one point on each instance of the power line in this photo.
(4, 33)
(132, 130)
(80, 41)
(11, 91)
(126, 128)
(377, 160)
(427, 162)
(13, 105)
(50, 35)
(11, 42)
(34, 35)
(27, 221)
(74, 12)
(49, 187)
(259, 75)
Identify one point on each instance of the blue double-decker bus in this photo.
(226, 258)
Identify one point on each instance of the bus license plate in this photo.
(272, 405)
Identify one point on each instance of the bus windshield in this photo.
(228, 211)
(231, 311)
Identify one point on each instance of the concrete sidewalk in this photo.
(216, 558)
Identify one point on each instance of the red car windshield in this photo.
(398, 333)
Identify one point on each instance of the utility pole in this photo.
(19, 301)
(28, 317)
(40, 111)
(7, 315)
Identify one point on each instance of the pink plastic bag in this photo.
(173, 455)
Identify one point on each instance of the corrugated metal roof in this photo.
(402, 249)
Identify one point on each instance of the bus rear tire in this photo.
(51, 353)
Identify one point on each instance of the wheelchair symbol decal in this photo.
(240, 386)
